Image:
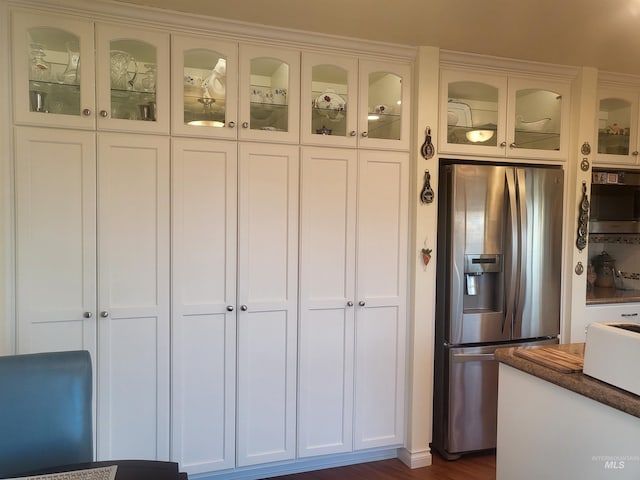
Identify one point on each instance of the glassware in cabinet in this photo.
(269, 95)
(205, 77)
(132, 79)
(53, 71)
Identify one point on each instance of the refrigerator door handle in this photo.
(472, 357)
(510, 281)
(522, 250)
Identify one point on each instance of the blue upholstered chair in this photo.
(45, 411)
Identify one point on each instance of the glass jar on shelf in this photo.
(148, 81)
(71, 74)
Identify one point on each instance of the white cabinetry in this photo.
(493, 114)
(62, 80)
(216, 321)
(611, 312)
(617, 126)
(352, 300)
(352, 102)
(113, 303)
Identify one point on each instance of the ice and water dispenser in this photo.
(483, 275)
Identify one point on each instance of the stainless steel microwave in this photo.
(615, 202)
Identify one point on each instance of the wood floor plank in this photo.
(469, 467)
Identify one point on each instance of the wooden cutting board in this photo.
(552, 357)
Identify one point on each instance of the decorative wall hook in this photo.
(426, 195)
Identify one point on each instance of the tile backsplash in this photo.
(625, 249)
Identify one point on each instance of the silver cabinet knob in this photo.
(104, 314)
(349, 303)
(104, 113)
(231, 124)
(361, 303)
(365, 134)
(229, 308)
(353, 133)
(503, 144)
(87, 315)
(513, 145)
(635, 154)
(243, 308)
(245, 124)
(86, 112)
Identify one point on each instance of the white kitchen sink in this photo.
(612, 354)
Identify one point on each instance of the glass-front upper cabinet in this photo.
(204, 87)
(53, 71)
(132, 79)
(269, 94)
(617, 127)
(329, 105)
(383, 105)
(486, 114)
(538, 118)
(472, 113)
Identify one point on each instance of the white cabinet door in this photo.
(267, 299)
(352, 300)
(46, 89)
(204, 198)
(132, 79)
(380, 329)
(327, 289)
(269, 94)
(133, 297)
(55, 240)
(204, 87)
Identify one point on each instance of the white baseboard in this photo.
(415, 459)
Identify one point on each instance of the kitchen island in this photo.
(555, 424)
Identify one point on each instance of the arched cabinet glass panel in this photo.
(472, 114)
(329, 99)
(269, 85)
(133, 80)
(54, 71)
(205, 94)
(537, 119)
(614, 122)
(384, 106)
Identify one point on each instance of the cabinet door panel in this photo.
(55, 240)
(133, 297)
(204, 178)
(267, 295)
(60, 43)
(327, 280)
(380, 293)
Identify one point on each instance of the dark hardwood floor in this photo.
(469, 467)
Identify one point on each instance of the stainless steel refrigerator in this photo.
(498, 285)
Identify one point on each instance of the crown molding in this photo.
(142, 16)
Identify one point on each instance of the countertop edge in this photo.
(576, 382)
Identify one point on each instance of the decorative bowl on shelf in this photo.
(479, 136)
(534, 126)
(330, 105)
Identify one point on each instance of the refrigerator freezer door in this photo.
(473, 396)
(537, 307)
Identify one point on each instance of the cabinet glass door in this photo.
(269, 91)
(537, 119)
(132, 79)
(329, 97)
(617, 127)
(472, 114)
(269, 107)
(204, 87)
(53, 71)
(384, 106)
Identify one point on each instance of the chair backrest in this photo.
(45, 411)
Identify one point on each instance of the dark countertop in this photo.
(575, 382)
(600, 295)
